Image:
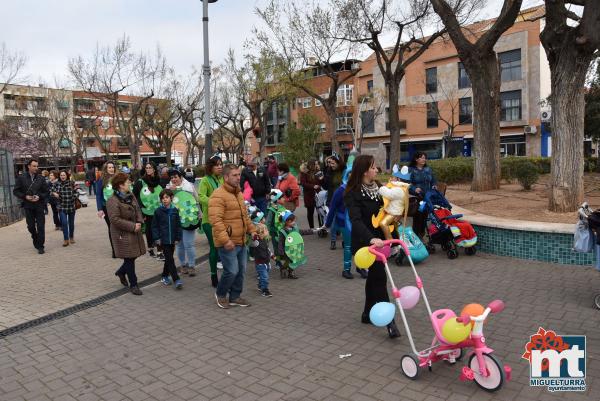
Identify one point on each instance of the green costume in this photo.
(150, 200)
(205, 189)
(188, 208)
(108, 191)
(294, 248)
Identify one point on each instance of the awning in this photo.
(92, 152)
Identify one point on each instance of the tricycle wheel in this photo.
(410, 366)
(597, 301)
(495, 377)
(452, 254)
(471, 251)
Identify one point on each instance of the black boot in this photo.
(363, 273)
(347, 274)
(364, 318)
(333, 245)
(214, 280)
(393, 331)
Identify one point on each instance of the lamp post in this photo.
(206, 74)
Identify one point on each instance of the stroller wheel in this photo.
(470, 251)
(399, 259)
(446, 247)
(452, 254)
(410, 366)
(597, 301)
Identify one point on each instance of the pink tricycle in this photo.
(452, 333)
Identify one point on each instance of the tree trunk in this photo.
(568, 108)
(394, 123)
(486, 121)
(168, 147)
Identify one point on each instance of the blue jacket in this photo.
(421, 178)
(100, 202)
(337, 209)
(166, 225)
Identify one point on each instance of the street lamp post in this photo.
(206, 74)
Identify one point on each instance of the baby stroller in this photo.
(445, 228)
(322, 210)
(586, 236)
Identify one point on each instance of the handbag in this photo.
(76, 200)
(583, 239)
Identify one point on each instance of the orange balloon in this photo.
(472, 310)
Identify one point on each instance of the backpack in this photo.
(294, 248)
(273, 221)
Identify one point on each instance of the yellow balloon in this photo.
(363, 258)
(455, 332)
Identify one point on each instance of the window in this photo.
(465, 111)
(281, 133)
(510, 106)
(510, 65)
(318, 103)
(344, 122)
(83, 123)
(62, 104)
(367, 119)
(270, 135)
(83, 105)
(402, 123)
(151, 109)
(106, 142)
(64, 143)
(431, 80)
(432, 115)
(102, 106)
(306, 102)
(105, 124)
(10, 102)
(344, 95)
(370, 86)
(322, 127)
(122, 142)
(463, 78)
(512, 146)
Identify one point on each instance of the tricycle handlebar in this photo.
(374, 249)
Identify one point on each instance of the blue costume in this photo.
(338, 218)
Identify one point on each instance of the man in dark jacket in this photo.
(90, 177)
(259, 182)
(32, 190)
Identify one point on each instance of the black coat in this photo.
(260, 183)
(361, 209)
(26, 185)
(166, 225)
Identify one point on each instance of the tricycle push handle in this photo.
(380, 256)
(496, 306)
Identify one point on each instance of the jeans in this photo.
(262, 271)
(333, 233)
(169, 266)
(234, 270)
(186, 249)
(213, 256)
(36, 225)
(55, 216)
(68, 224)
(128, 269)
(92, 188)
(261, 204)
(347, 249)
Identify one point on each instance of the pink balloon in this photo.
(409, 296)
(386, 251)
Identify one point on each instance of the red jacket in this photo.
(290, 182)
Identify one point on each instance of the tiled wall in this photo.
(547, 247)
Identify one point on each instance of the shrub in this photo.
(590, 164)
(527, 173)
(453, 170)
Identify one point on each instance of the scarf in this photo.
(125, 197)
(371, 190)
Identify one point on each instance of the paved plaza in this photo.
(178, 345)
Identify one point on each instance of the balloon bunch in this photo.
(454, 332)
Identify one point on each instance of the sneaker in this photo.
(219, 265)
(222, 302)
(239, 302)
(192, 272)
(166, 280)
(251, 259)
(160, 256)
(178, 284)
(347, 274)
(151, 253)
(266, 293)
(41, 250)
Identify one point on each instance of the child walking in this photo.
(262, 254)
(290, 246)
(166, 230)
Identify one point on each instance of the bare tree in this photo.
(572, 42)
(188, 98)
(11, 66)
(476, 51)
(110, 74)
(368, 21)
(304, 38)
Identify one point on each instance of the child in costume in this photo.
(166, 232)
(395, 203)
(290, 246)
(262, 254)
(272, 220)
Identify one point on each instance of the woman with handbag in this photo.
(288, 185)
(66, 199)
(52, 185)
(126, 221)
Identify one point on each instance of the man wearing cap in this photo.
(230, 223)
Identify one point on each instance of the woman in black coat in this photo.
(362, 201)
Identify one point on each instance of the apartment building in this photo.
(436, 101)
(82, 126)
(436, 98)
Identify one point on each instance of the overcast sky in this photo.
(50, 32)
